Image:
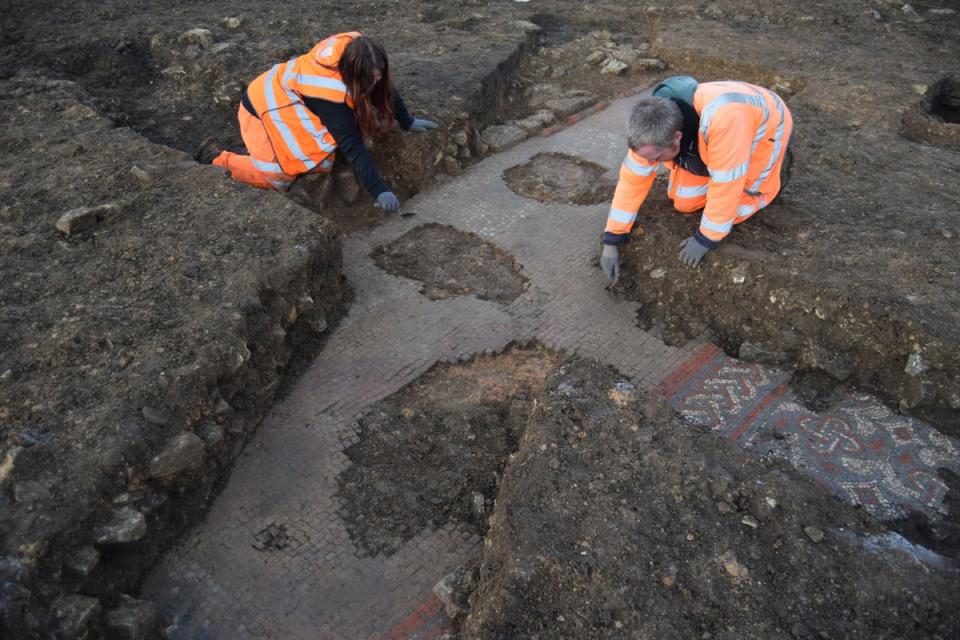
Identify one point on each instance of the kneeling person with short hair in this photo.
(727, 146)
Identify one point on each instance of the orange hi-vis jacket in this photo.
(299, 139)
(742, 136)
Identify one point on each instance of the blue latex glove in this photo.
(388, 202)
(692, 252)
(420, 125)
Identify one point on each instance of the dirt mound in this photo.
(617, 520)
(451, 262)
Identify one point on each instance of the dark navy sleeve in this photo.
(615, 239)
(400, 112)
(338, 118)
(705, 241)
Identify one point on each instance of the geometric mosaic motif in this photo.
(858, 448)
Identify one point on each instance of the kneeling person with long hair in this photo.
(296, 115)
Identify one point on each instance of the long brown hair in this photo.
(373, 101)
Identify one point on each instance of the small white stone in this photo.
(200, 37)
(596, 57)
(613, 66)
(915, 365)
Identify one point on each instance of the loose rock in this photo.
(915, 365)
(140, 175)
(909, 11)
(596, 57)
(6, 467)
(527, 26)
(733, 566)
(74, 612)
(454, 590)
(200, 37)
(452, 166)
(650, 64)
(564, 107)
(537, 121)
(613, 66)
(814, 533)
(184, 452)
(83, 218)
(82, 561)
(500, 137)
(212, 434)
(124, 525)
(154, 415)
(539, 94)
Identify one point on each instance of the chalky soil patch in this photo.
(432, 454)
(558, 178)
(451, 262)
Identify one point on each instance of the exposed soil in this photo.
(617, 520)
(161, 329)
(138, 353)
(451, 262)
(142, 349)
(558, 178)
(933, 119)
(850, 272)
(434, 452)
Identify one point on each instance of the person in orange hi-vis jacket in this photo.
(296, 115)
(727, 147)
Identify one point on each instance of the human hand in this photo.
(610, 261)
(420, 125)
(692, 252)
(388, 202)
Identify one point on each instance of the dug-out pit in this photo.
(558, 178)
(434, 452)
(450, 263)
(936, 119)
(946, 100)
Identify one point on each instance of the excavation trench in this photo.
(173, 293)
(377, 468)
(200, 313)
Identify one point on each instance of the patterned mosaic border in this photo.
(859, 449)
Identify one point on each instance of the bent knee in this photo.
(688, 205)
